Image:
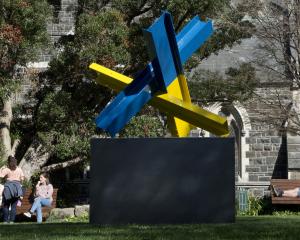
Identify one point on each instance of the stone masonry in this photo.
(267, 154)
(262, 136)
(293, 150)
(62, 23)
(267, 140)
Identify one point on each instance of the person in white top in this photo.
(43, 197)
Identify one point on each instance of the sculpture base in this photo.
(162, 180)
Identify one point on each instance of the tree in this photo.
(66, 99)
(238, 85)
(63, 121)
(277, 28)
(22, 34)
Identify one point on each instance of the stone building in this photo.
(261, 146)
(264, 147)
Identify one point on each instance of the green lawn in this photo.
(263, 227)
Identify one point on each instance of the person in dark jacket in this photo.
(12, 189)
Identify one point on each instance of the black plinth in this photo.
(162, 180)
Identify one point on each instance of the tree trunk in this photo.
(34, 159)
(15, 146)
(287, 53)
(5, 120)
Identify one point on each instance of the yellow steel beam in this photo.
(177, 126)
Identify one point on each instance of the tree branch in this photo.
(35, 157)
(15, 146)
(57, 166)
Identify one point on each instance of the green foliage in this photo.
(254, 207)
(31, 183)
(144, 126)
(83, 218)
(56, 219)
(8, 86)
(65, 118)
(63, 131)
(23, 32)
(100, 37)
(286, 213)
(106, 29)
(27, 184)
(257, 206)
(239, 84)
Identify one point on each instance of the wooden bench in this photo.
(27, 202)
(285, 184)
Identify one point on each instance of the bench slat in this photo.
(285, 200)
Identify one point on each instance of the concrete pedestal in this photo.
(162, 180)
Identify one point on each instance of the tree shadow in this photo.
(281, 165)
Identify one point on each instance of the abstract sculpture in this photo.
(162, 83)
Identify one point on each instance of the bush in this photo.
(83, 218)
(285, 213)
(257, 206)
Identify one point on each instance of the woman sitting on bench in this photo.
(43, 197)
(295, 192)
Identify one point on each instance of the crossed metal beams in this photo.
(162, 83)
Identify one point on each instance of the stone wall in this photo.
(77, 211)
(61, 24)
(293, 150)
(265, 144)
(267, 139)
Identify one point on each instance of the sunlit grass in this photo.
(262, 227)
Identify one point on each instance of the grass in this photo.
(262, 227)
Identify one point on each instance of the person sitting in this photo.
(12, 191)
(295, 192)
(43, 197)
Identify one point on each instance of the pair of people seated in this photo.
(12, 192)
(295, 192)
